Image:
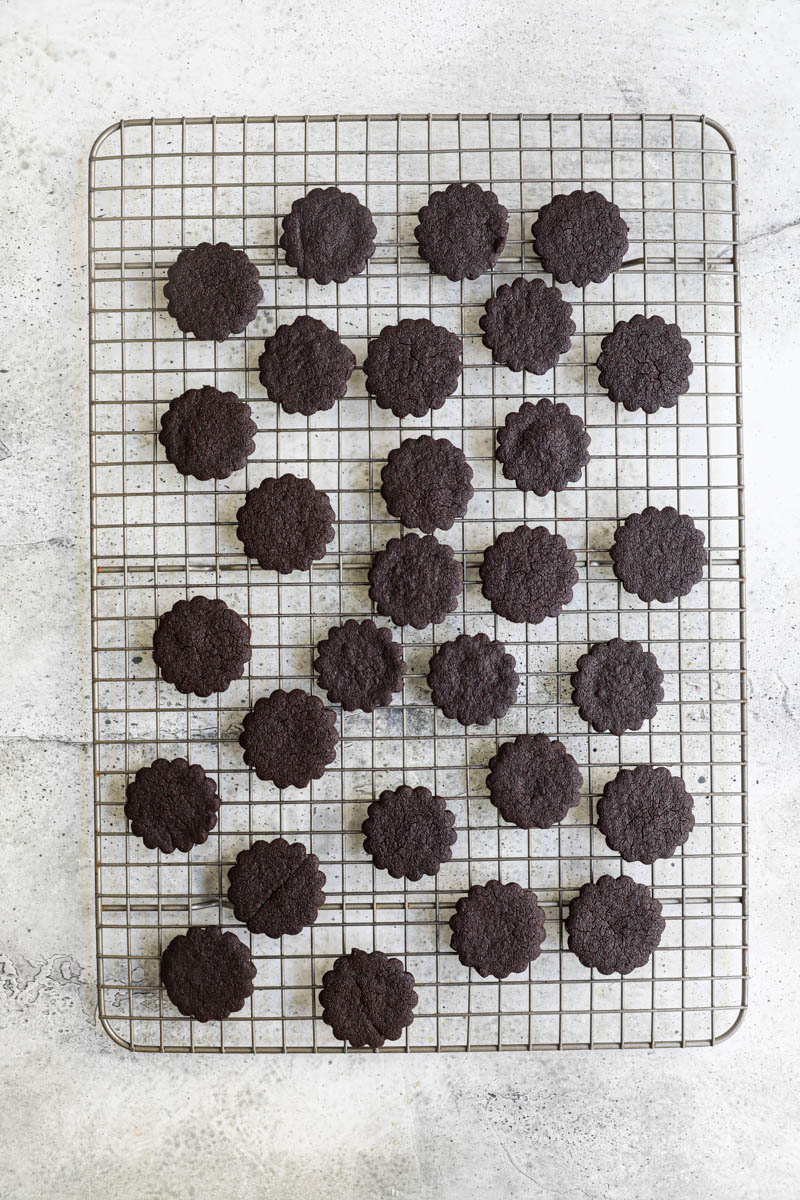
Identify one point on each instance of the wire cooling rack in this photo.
(158, 185)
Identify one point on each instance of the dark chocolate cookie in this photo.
(533, 782)
(415, 580)
(305, 366)
(614, 925)
(367, 999)
(208, 974)
(208, 434)
(427, 483)
(543, 447)
(498, 928)
(473, 679)
(413, 367)
(328, 235)
(617, 686)
(213, 291)
(645, 814)
(360, 666)
(659, 554)
(409, 832)
(580, 238)
(528, 574)
(289, 738)
(285, 524)
(527, 326)
(462, 231)
(201, 645)
(171, 805)
(276, 887)
(645, 364)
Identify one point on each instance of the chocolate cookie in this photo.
(472, 679)
(614, 925)
(201, 645)
(208, 974)
(427, 483)
(415, 580)
(213, 291)
(645, 364)
(658, 554)
(645, 814)
(305, 366)
(360, 666)
(498, 928)
(413, 367)
(462, 231)
(328, 235)
(285, 524)
(543, 447)
(409, 832)
(533, 782)
(171, 805)
(367, 999)
(289, 738)
(617, 686)
(276, 887)
(208, 434)
(580, 238)
(527, 326)
(528, 574)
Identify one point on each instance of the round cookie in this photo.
(543, 447)
(462, 231)
(658, 554)
(201, 645)
(213, 291)
(328, 235)
(415, 580)
(617, 686)
(276, 887)
(614, 925)
(426, 483)
(360, 666)
(289, 738)
(527, 326)
(533, 782)
(171, 805)
(498, 928)
(472, 679)
(412, 367)
(644, 364)
(285, 524)
(580, 238)
(208, 974)
(305, 366)
(409, 832)
(368, 999)
(207, 433)
(645, 814)
(528, 574)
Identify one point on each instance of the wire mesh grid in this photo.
(158, 185)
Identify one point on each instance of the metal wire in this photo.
(158, 185)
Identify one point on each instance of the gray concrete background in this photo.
(81, 1118)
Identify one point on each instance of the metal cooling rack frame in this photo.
(158, 185)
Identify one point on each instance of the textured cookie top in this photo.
(462, 231)
(543, 447)
(528, 574)
(614, 925)
(533, 782)
(368, 999)
(360, 665)
(328, 235)
(427, 483)
(201, 645)
(617, 686)
(415, 580)
(409, 832)
(276, 887)
(208, 974)
(644, 363)
(498, 928)
(645, 814)
(171, 805)
(213, 291)
(305, 366)
(289, 738)
(527, 326)
(473, 679)
(285, 524)
(580, 237)
(658, 554)
(412, 367)
(207, 433)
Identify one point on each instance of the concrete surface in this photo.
(81, 1118)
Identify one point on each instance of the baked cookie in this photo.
(201, 645)
(328, 236)
(614, 925)
(276, 887)
(409, 832)
(543, 447)
(171, 805)
(368, 999)
(427, 483)
(305, 366)
(617, 686)
(213, 291)
(645, 814)
(528, 574)
(289, 738)
(360, 666)
(415, 580)
(527, 326)
(533, 782)
(580, 238)
(285, 524)
(473, 679)
(498, 928)
(658, 554)
(644, 364)
(462, 231)
(413, 367)
(208, 434)
(208, 974)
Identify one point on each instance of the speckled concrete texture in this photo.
(81, 1118)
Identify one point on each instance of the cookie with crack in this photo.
(305, 366)
(580, 237)
(328, 235)
(201, 645)
(415, 580)
(213, 291)
(207, 433)
(409, 832)
(498, 929)
(285, 524)
(617, 686)
(527, 326)
(462, 231)
(644, 364)
(645, 814)
(472, 679)
(208, 973)
(533, 782)
(360, 666)
(427, 483)
(528, 574)
(412, 367)
(289, 738)
(543, 447)
(614, 925)
(368, 999)
(658, 554)
(276, 887)
(172, 805)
